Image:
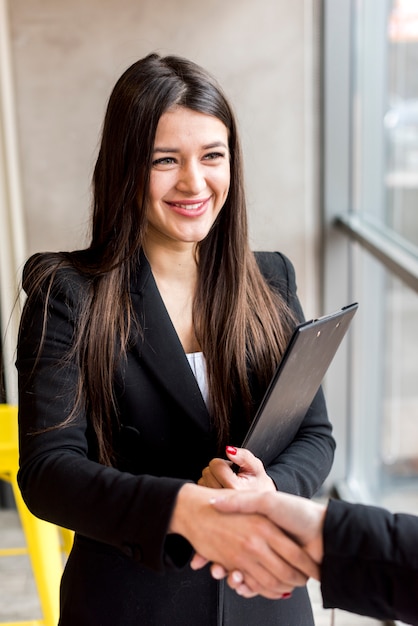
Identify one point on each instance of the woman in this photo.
(143, 356)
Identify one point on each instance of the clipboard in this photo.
(295, 383)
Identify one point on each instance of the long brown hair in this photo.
(242, 327)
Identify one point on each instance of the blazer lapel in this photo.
(160, 348)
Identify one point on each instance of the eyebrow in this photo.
(209, 146)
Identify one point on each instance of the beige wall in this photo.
(67, 56)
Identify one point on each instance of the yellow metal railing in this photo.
(45, 542)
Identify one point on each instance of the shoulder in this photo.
(272, 263)
(279, 274)
(48, 273)
(278, 271)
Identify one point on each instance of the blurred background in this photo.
(326, 94)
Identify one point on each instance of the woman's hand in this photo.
(246, 543)
(251, 475)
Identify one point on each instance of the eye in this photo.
(212, 156)
(164, 161)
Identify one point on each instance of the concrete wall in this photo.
(68, 55)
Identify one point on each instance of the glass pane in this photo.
(399, 459)
(399, 437)
(401, 120)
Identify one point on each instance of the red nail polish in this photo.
(286, 596)
(231, 450)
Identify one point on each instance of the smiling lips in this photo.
(190, 208)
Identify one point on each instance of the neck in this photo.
(175, 272)
(177, 263)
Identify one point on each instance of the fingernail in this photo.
(231, 450)
(286, 596)
(237, 577)
(213, 500)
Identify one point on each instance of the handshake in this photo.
(285, 553)
(266, 542)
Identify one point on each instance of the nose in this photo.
(191, 178)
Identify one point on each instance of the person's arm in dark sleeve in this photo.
(370, 563)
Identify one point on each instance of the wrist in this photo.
(315, 547)
(188, 496)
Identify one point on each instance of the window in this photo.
(371, 241)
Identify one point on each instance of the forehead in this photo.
(180, 124)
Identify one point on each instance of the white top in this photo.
(198, 365)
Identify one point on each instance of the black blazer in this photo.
(124, 569)
(370, 562)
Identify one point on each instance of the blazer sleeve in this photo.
(59, 476)
(370, 563)
(304, 465)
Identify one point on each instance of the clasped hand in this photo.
(251, 476)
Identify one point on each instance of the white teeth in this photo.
(189, 207)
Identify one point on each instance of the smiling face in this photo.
(189, 178)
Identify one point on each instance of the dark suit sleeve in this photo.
(304, 465)
(370, 563)
(59, 477)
